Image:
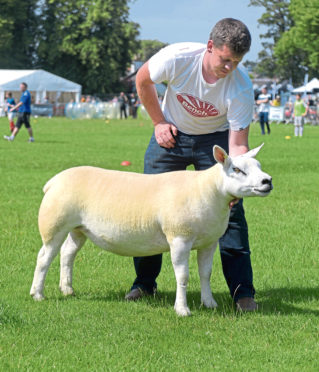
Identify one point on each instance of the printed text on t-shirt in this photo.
(196, 106)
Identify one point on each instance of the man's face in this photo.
(22, 87)
(222, 61)
(264, 91)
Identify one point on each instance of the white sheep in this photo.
(133, 214)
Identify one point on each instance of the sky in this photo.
(173, 21)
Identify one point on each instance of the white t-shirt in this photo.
(192, 104)
(264, 107)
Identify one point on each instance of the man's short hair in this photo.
(9, 94)
(232, 33)
(25, 84)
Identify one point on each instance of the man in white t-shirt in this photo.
(263, 101)
(209, 100)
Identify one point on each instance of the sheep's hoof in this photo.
(182, 311)
(210, 303)
(67, 291)
(37, 296)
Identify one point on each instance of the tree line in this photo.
(93, 42)
(90, 42)
(291, 42)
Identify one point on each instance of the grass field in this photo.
(97, 330)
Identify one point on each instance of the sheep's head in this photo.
(243, 174)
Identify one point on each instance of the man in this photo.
(209, 100)
(123, 101)
(10, 103)
(263, 101)
(24, 108)
(133, 102)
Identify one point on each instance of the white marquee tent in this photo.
(309, 87)
(39, 81)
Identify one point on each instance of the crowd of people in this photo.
(128, 103)
(297, 110)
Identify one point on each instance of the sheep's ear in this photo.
(252, 153)
(220, 155)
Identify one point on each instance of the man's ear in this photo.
(210, 46)
(220, 155)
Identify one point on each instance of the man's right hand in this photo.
(164, 134)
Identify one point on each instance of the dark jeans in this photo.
(263, 119)
(123, 111)
(234, 246)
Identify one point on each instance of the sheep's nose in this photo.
(266, 181)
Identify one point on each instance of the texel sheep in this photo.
(133, 214)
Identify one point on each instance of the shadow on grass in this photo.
(51, 142)
(278, 301)
(293, 300)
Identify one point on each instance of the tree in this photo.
(277, 19)
(303, 37)
(148, 48)
(18, 29)
(272, 61)
(89, 42)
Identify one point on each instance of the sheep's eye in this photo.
(237, 170)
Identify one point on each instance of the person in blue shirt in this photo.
(11, 114)
(24, 112)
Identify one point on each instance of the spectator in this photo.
(24, 107)
(123, 101)
(263, 101)
(311, 102)
(11, 114)
(300, 111)
(133, 105)
(45, 100)
(276, 102)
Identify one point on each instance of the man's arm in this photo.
(16, 106)
(265, 100)
(146, 90)
(238, 142)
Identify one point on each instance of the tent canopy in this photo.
(309, 87)
(39, 81)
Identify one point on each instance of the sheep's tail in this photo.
(49, 184)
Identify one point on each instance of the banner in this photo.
(277, 113)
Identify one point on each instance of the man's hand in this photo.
(16, 107)
(164, 133)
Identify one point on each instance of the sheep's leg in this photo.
(180, 250)
(45, 256)
(73, 243)
(205, 262)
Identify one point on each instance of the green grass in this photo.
(97, 330)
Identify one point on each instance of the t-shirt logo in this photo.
(196, 107)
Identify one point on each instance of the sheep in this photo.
(134, 214)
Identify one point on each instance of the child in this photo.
(300, 111)
(11, 114)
